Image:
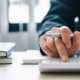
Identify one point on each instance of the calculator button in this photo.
(73, 60)
(64, 62)
(55, 61)
(78, 60)
(46, 61)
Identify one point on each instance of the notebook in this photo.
(6, 60)
(6, 48)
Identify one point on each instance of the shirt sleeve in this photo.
(61, 13)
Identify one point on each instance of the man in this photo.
(60, 19)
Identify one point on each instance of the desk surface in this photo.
(16, 71)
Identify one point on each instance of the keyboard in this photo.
(56, 65)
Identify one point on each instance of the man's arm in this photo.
(61, 13)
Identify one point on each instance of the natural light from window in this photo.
(19, 11)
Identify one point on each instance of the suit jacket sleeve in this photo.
(61, 13)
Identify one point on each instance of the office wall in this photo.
(24, 40)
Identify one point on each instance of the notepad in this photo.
(33, 57)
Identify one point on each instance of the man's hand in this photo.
(63, 47)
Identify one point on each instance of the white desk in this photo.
(16, 71)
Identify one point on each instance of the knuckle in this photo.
(64, 29)
(65, 41)
(54, 28)
(41, 37)
(48, 32)
(50, 44)
(44, 47)
(57, 40)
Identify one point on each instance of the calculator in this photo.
(57, 65)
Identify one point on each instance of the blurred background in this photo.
(19, 22)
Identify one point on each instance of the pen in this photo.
(56, 35)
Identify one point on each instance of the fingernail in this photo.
(64, 58)
(68, 45)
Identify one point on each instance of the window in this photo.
(19, 13)
(40, 11)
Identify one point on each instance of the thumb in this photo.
(76, 40)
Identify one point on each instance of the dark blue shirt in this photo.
(61, 13)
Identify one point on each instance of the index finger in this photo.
(61, 49)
